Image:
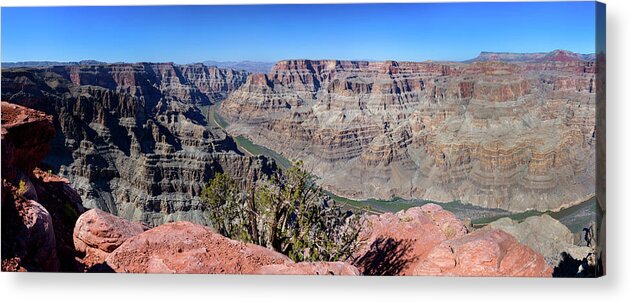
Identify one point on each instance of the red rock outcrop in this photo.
(184, 247)
(393, 244)
(39, 209)
(108, 243)
(28, 238)
(428, 240)
(97, 234)
(26, 136)
(483, 253)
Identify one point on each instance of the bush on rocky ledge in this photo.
(289, 214)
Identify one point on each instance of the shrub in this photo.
(22, 188)
(289, 214)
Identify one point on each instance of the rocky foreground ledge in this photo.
(420, 241)
(46, 228)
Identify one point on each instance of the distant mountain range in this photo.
(265, 67)
(555, 55)
(49, 63)
(248, 66)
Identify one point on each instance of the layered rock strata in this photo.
(42, 231)
(131, 137)
(515, 136)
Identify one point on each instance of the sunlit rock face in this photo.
(131, 137)
(510, 135)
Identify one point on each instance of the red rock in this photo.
(28, 238)
(25, 138)
(429, 240)
(184, 247)
(98, 233)
(394, 244)
(39, 208)
(310, 268)
(483, 253)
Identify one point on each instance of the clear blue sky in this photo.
(183, 34)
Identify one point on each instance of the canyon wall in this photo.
(131, 138)
(46, 228)
(516, 136)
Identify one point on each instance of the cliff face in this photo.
(130, 137)
(515, 136)
(45, 228)
(39, 209)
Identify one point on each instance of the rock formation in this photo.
(515, 136)
(39, 209)
(131, 138)
(420, 241)
(42, 231)
(431, 241)
(97, 234)
(557, 55)
(184, 247)
(546, 236)
(115, 244)
(481, 254)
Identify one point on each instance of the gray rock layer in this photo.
(131, 138)
(545, 235)
(515, 136)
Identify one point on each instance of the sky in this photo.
(185, 34)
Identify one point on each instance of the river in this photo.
(575, 217)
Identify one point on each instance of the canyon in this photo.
(511, 132)
(130, 137)
(46, 228)
(507, 131)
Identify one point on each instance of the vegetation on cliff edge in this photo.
(289, 214)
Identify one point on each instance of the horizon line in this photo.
(291, 59)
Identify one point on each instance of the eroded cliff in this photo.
(515, 136)
(131, 138)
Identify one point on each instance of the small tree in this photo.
(289, 214)
(223, 198)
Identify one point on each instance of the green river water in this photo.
(575, 217)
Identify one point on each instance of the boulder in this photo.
(28, 238)
(483, 253)
(394, 244)
(184, 247)
(429, 240)
(97, 233)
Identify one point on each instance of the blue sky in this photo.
(183, 34)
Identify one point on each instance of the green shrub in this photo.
(22, 188)
(289, 214)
